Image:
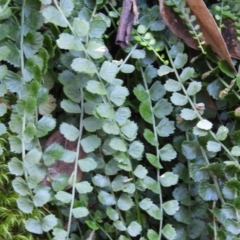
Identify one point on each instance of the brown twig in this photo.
(128, 17)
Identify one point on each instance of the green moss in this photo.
(12, 220)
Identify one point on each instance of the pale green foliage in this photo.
(143, 150)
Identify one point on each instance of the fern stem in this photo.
(136, 199)
(186, 16)
(213, 176)
(221, 18)
(7, 3)
(157, 154)
(120, 215)
(68, 24)
(22, 70)
(193, 106)
(76, 163)
(214, 223)
(48, 235)
(21, 37)
(189, 187)
(113, 23)
(128, 56)
(102, 229)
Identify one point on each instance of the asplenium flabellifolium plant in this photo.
(160, 140)
(181, 8)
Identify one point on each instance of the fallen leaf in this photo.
(229, 33)
(211, 34)
(128, 16)
(60, 167)
(210, 30)
(176, 24)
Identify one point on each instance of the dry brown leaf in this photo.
(208, 26)
(229, 33)
(176, 24)
(60, 167)
(210, 30)
(128, 16)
